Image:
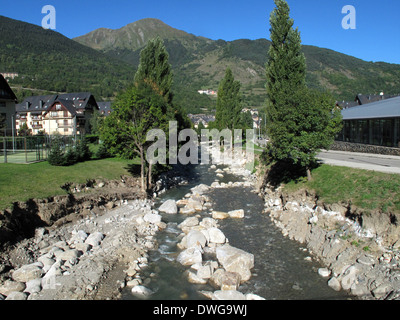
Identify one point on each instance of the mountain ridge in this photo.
(49, 61)
(203, 61)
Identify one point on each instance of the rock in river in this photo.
(236, 260)
(169, 207)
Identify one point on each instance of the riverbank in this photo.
(82, 246)
(360, 249)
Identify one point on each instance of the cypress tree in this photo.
(300, 121)
(228, 106)
(154, 69)
(286, 66)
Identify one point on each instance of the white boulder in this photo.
(169, 207)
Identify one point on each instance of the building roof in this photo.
(105, 107)
(389, 108)
(79, 100)
(5, 90)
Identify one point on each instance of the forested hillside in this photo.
(47, 60)
(104, 62)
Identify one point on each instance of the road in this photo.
(382, 163)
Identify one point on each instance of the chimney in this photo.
(41, 104)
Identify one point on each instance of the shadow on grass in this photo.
(134, 169)
(285, 172)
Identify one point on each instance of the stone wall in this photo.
(364, 148)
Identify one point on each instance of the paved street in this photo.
(382, 163)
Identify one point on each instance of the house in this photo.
(7, 108)
(203, 118)
(66, 114)
(375, 123)
(9, 75)
(105, 108)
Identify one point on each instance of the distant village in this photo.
(368, 119)
(69, 113)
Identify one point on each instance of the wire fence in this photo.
(29, 149)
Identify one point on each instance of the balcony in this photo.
(64, 125)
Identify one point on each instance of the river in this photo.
(282, 271)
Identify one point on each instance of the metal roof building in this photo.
(388, 108)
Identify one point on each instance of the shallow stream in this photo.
(283, 270)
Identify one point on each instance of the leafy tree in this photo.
(96, 121)
(300, 121)
(135, 112)
(246, 120)
(228, 107)
(144, 106)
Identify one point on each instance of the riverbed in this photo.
(283, 269)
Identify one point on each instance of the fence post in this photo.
(26, 153)
(5, 149)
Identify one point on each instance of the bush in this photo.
(82, 151)
(56, 155)
(79, 153)
(102, 152)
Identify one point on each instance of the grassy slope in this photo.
(20, 182)
(368, 190)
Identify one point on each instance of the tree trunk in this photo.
(309, 176)
(149, 180)
(142, 171)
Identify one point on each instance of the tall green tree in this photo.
(136, 111)
(144, 106)
(228, 108)
(300, 121)
(286, 66)
(155, 70)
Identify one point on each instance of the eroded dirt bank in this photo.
(361, 250)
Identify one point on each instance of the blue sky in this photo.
(376, 37)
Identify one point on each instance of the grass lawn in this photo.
(365, 189)
(20, 182)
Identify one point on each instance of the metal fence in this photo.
(28, 149)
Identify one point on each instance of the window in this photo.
(58, 106)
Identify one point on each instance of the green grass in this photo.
(20, 182)
(365, 189)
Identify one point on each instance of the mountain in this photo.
(47, 61)
(200, 63)
(104, 62)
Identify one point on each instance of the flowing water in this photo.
(281, 269)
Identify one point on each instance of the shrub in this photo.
(56, 154)
(79, 153)
(102, 152)
(82, 151)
